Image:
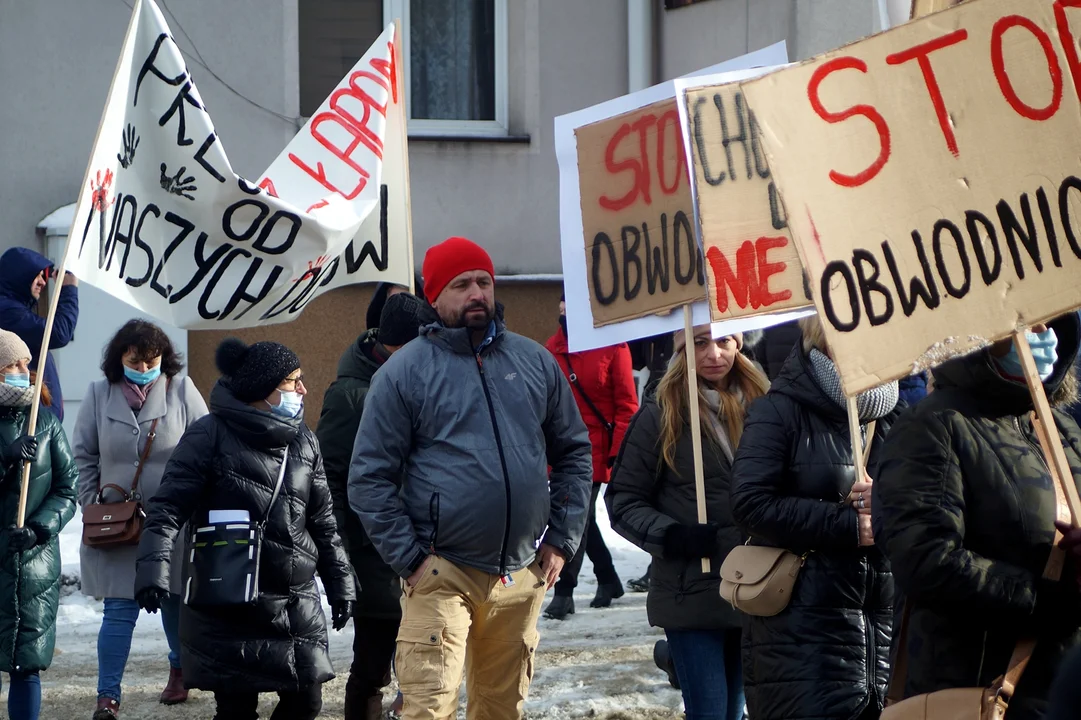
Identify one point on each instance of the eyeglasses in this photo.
(298, 380)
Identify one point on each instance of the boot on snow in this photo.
(560, 607)
(108, 709)
(663, 659)
(174, 692)
(606, 593)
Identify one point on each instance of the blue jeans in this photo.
(710, 672)
(114, 640)
(24, 696)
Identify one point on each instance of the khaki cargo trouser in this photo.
(459, 620)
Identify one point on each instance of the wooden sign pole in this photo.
(1048, 435)
(35, 405)
(858, 460)
(696, 422)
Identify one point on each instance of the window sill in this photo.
(464, 138)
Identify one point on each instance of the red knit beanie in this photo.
(448, 260)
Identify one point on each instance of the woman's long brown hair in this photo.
(673, 400)
(46, 396)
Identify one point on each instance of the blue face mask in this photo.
(1043, 351)
(142, 378)
(290, 404)
(19, 380)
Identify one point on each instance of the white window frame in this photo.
(399, 9)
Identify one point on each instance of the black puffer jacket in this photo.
(229, 460)
(966, 510)
(645, 498)
(827, 654)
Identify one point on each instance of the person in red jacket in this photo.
(603, 384)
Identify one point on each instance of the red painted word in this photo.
(749, 284)
(666, 128)
(922, 55)
(352, 109)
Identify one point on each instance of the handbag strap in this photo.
(277, 489)
(142, 458)
(573, 377)
(1022, 651)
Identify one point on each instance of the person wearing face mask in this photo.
(603, 385)
(230, 461)
(142, 405)
(652, 502)
(966, 512)
(826, 655)
(23, 277)
(30, 555)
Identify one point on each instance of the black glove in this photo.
(691, 541)
(150, 598)
(24, 449)
(341, 610)
(21, 539)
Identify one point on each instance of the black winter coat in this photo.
(645, 497)
(229, 460)
(827, 654)
(965, 505)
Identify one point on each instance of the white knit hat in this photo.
(12, 349)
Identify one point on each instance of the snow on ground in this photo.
(596, 664)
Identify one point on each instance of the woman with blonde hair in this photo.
(826, 655)
(652, 502)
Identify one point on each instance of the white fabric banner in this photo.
(163, 223)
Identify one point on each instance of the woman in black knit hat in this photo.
(231, 461)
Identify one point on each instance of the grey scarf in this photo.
(716, 424)
(871, 404)
(11, 396)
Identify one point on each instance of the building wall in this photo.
(58, 58)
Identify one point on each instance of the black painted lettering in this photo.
(989, 273)
(186, 226)
(917, 289)
(630, 257)
(227, 222)
(657, 267)
(149, 67)
(177, 108)
(1070, 183)
(368, 251)
(870, 284)
(957, 291)
(203, 266)
(105, 244)
(727, 139)
(264, 234)
(241, 293)
(603, 241)
(200, 157)
(689, 244)
(777, 212)
(150, 209)
(700, 144)
(1013, 232)
(840, 268)
(204, 298)
(128, 210)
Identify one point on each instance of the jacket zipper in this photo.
(1036, 447)
(502, 463)
(872, 648)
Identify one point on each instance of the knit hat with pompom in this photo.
(254, 371)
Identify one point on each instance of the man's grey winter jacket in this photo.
(453, 451)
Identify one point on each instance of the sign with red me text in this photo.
(932, 183)
(752, 264)
(163, 223)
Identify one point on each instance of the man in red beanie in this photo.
(450, 479)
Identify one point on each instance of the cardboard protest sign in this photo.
(930, 176)
(751, 263)
(582, 332)
(164, 223)
(636, 205)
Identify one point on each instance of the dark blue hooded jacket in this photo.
(18, 268)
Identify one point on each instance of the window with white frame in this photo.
(455, 65)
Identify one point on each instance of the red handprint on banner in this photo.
(313, 268)
(100, 186)
(99, 190)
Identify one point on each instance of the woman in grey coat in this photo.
(141, 385)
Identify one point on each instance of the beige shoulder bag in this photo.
(759, 580)
(988, 703)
